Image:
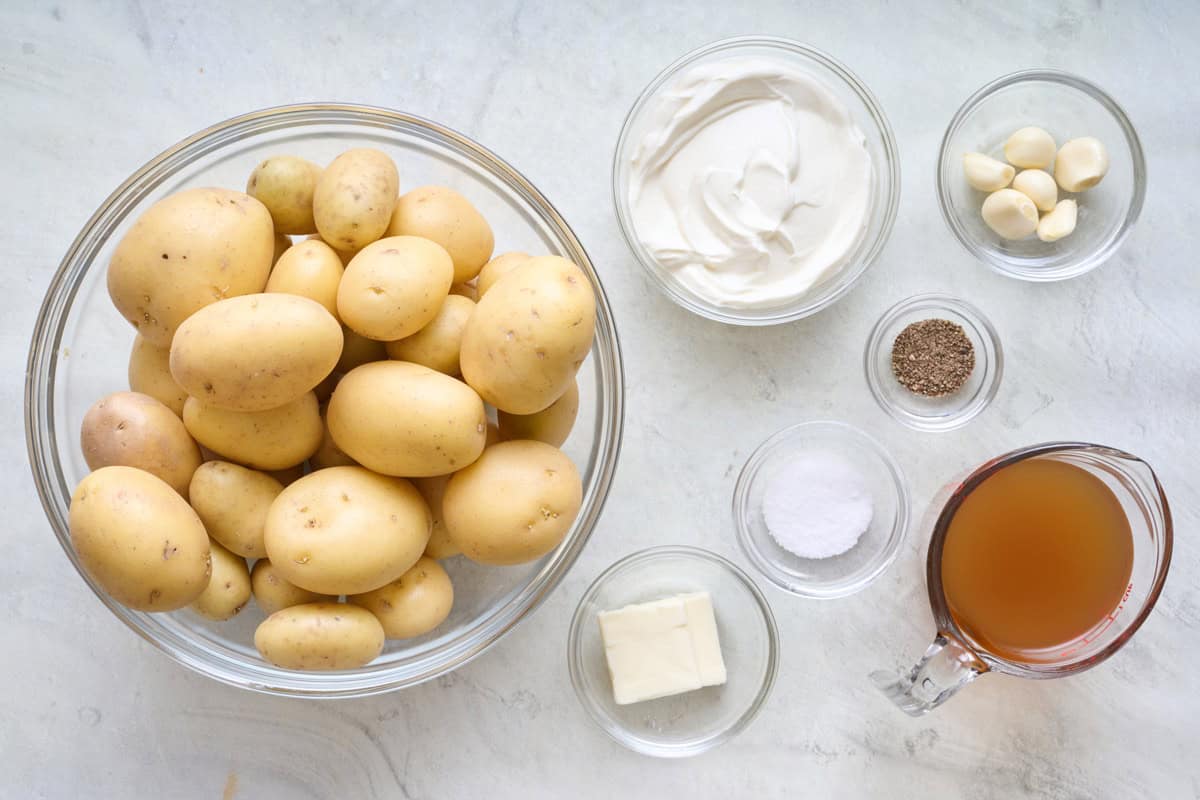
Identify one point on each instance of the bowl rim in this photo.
(618, 733)
(851, 273)
(885, 557)
(933, 301)
(42, 367)
(1108, 248)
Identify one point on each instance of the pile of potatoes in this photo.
(323, 409)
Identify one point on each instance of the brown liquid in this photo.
(1036, 556)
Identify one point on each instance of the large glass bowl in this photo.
(878, 139)
(81, 347)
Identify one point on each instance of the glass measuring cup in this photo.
(955, 659)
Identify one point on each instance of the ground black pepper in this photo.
(933, 357)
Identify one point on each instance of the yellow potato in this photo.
(150, 373)
(551, 425)
(285, 185)
(282, 243)
(358, 350)
(329, 454)
(273, 592)
(188, 250)
(320, 636)
(403, 419)
(515, 504)
(255, 352)
(278, 438)
(444, 216)
(440, 544)
(310, 269)
(343, 255)
(497, 268)
(466, 290)
(228, 589)
(354, 198)
(135, 430)
(394, 287)
(437, 344)
(529, 334)
(413, 604)
(232, 502)
(139, 539)
(346, 530)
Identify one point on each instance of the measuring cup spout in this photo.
(947, 666)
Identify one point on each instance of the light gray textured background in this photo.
(90, 91)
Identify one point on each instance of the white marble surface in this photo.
(91, 90)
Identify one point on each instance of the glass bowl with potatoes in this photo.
(1041, 175)
(323, 400)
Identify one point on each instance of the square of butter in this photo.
(661, 648)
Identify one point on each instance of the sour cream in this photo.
(752, 183)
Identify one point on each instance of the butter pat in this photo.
(662, 648)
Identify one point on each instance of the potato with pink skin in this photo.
(135, 430)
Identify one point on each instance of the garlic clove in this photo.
(1058, 223)
(1010, 214)
(1081, 164)
(986, 174)
(1039, 186)
(1030, 148)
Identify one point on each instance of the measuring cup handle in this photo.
(947, 666)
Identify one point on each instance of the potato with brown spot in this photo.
(413, 604)
(320, 636)
(228, 589)
(437, 344)
(232, 502)
(394, 287)
(135, 430)
(285, 185)
(529, 335)
(255, 352)
(272, 592)
(497, 268)
(406, 420)
(346, 530)
(139, 540)
(515, 504)
(444, 216)
(309, 269)
(354, 198)
(150, 373)
(278, 438)
(551, 425)
(186, 251)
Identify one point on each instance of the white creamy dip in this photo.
(752, 183)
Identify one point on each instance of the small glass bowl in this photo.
(1068, 107)
(840, 575)
(934, 413)
(691, 723)
(880, 143)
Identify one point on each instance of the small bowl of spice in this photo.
(933, 362)
(821, 509)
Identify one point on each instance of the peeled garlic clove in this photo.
(986, 174)
(1030, 148)
(1010, 214)
(1081, 164)
(1058, 223)
(1038, 186)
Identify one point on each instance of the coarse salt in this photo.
(817, 505)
